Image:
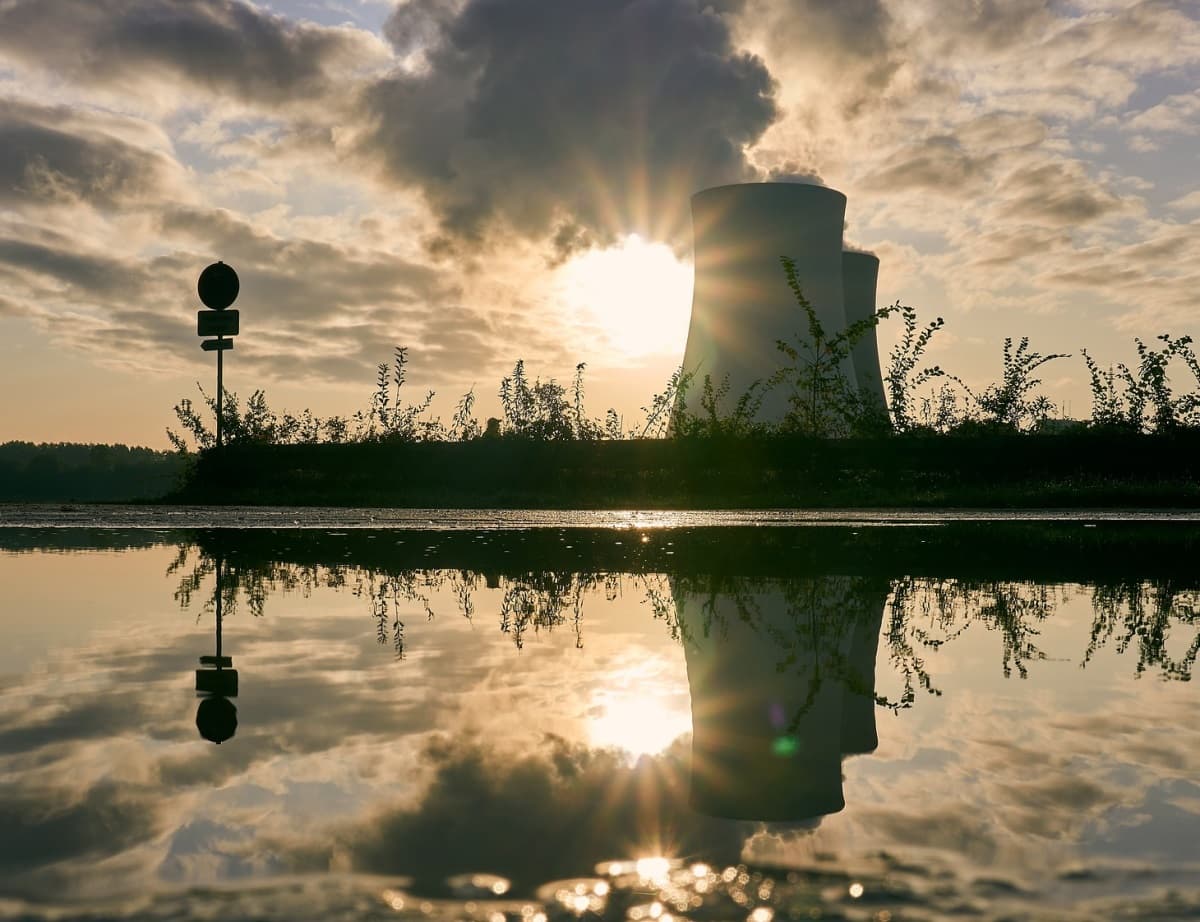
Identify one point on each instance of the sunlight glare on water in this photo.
(639, 725)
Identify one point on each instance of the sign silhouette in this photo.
(218, 286)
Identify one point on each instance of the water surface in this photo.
(669, 718)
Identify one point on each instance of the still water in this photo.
(652, 722)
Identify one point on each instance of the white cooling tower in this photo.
(741, 305)
(860, 273)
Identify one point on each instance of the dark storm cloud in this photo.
(580, 120)
(57, 155)
(552, 813)
(225, 46)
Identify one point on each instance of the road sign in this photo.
(218, 286)
(216, 345)
(217, 323)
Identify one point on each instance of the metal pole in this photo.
(220, 387)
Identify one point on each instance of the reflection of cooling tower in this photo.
(860, 272)
(767, 744)
(741, 304)
(859, 735)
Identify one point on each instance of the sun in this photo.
(639, 724)
(636, 293)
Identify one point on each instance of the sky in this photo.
(490, 180)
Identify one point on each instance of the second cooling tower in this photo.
(741, 304)
(860, 274)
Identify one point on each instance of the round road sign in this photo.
(218, 286)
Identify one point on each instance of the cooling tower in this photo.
(741, 305)
(860, 273)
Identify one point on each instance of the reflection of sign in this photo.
(218, 286)
(217, 323)
(223, 682)
(216, 345)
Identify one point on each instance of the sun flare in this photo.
(636, 293)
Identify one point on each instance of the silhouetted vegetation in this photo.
(64, 472)
(945, 442)
(923, 399)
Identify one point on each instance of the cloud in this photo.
(1057, 192)
(581, 121)
(91, 272)
(59, 155)
(940, 164)
(1002, 247)
(1178, 114)
(852, 45)
(569, 806)
(226, 47)
(1189, 202)
(971, 27)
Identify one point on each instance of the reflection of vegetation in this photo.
(931, 613)
(1143, 614)
(537, 601)
(921, 615)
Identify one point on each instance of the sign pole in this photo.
(218, 288)
(220, 390)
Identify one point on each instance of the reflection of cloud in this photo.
(55, 835)
(553, 812)
(44, 827)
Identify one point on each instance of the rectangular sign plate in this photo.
(217, 323)
(216, 345)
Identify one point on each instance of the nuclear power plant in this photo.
(742, 306)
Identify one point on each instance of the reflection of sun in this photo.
(637, 292)
(640, 725)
